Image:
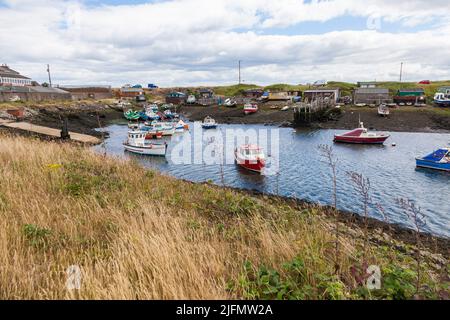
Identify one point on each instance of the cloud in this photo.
(189, 42)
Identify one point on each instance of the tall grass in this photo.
(136, 234)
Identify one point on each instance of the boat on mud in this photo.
(250, 157)
(250, 108)
(209, 123)
(383, 110)
(442, 99)
(229, 103)
(437, 160)
(361, 136)
(132, 115)
(138, 142)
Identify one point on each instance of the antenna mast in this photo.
(239, 64)
(49, 76)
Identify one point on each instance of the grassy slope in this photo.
(138, 234)
(346, 87)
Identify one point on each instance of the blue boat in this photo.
(143, 116)
(438, 160)
(209, 123)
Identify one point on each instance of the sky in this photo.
(199, 42)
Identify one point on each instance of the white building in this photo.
(12, 78)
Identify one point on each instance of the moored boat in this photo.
(438, 160)
(168, 114)
(383, 110)
(181, 126)
(137, 142)
(442, 99)
(209, 123)
(132, 115)
(362, 136)
(166, 128)
(250, 157)
(229, 103)
(250, 108)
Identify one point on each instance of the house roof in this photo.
(5, 71)
(36, 89)
(372, 91)
(125, 89)
(42, 89)
(411, 90)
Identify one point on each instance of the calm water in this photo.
(303, 175)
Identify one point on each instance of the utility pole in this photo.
(239, 64)
(49, 77)
(401, 71)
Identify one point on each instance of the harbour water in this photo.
(303, 174)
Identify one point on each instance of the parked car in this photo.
(425, 82)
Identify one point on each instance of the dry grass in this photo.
(137, 234)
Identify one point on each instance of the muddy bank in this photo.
(236, 115)
(82, 118)
(403, 119)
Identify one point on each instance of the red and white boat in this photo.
(250, 108)
(250, 157)
(361, 135)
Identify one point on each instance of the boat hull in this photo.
(251, 165)
(360, 140)
(432, 165)
(150, 150)
(442, 103)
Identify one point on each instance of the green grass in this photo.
(346, 87)
(234, 90)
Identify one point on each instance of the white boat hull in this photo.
(149, 150)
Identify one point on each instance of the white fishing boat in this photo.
(383, 110)
(209, 123)
(442, 99)
(138, 142)
(166, 128)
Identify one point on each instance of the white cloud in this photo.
(184, 42)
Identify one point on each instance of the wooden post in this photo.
(65, 131)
